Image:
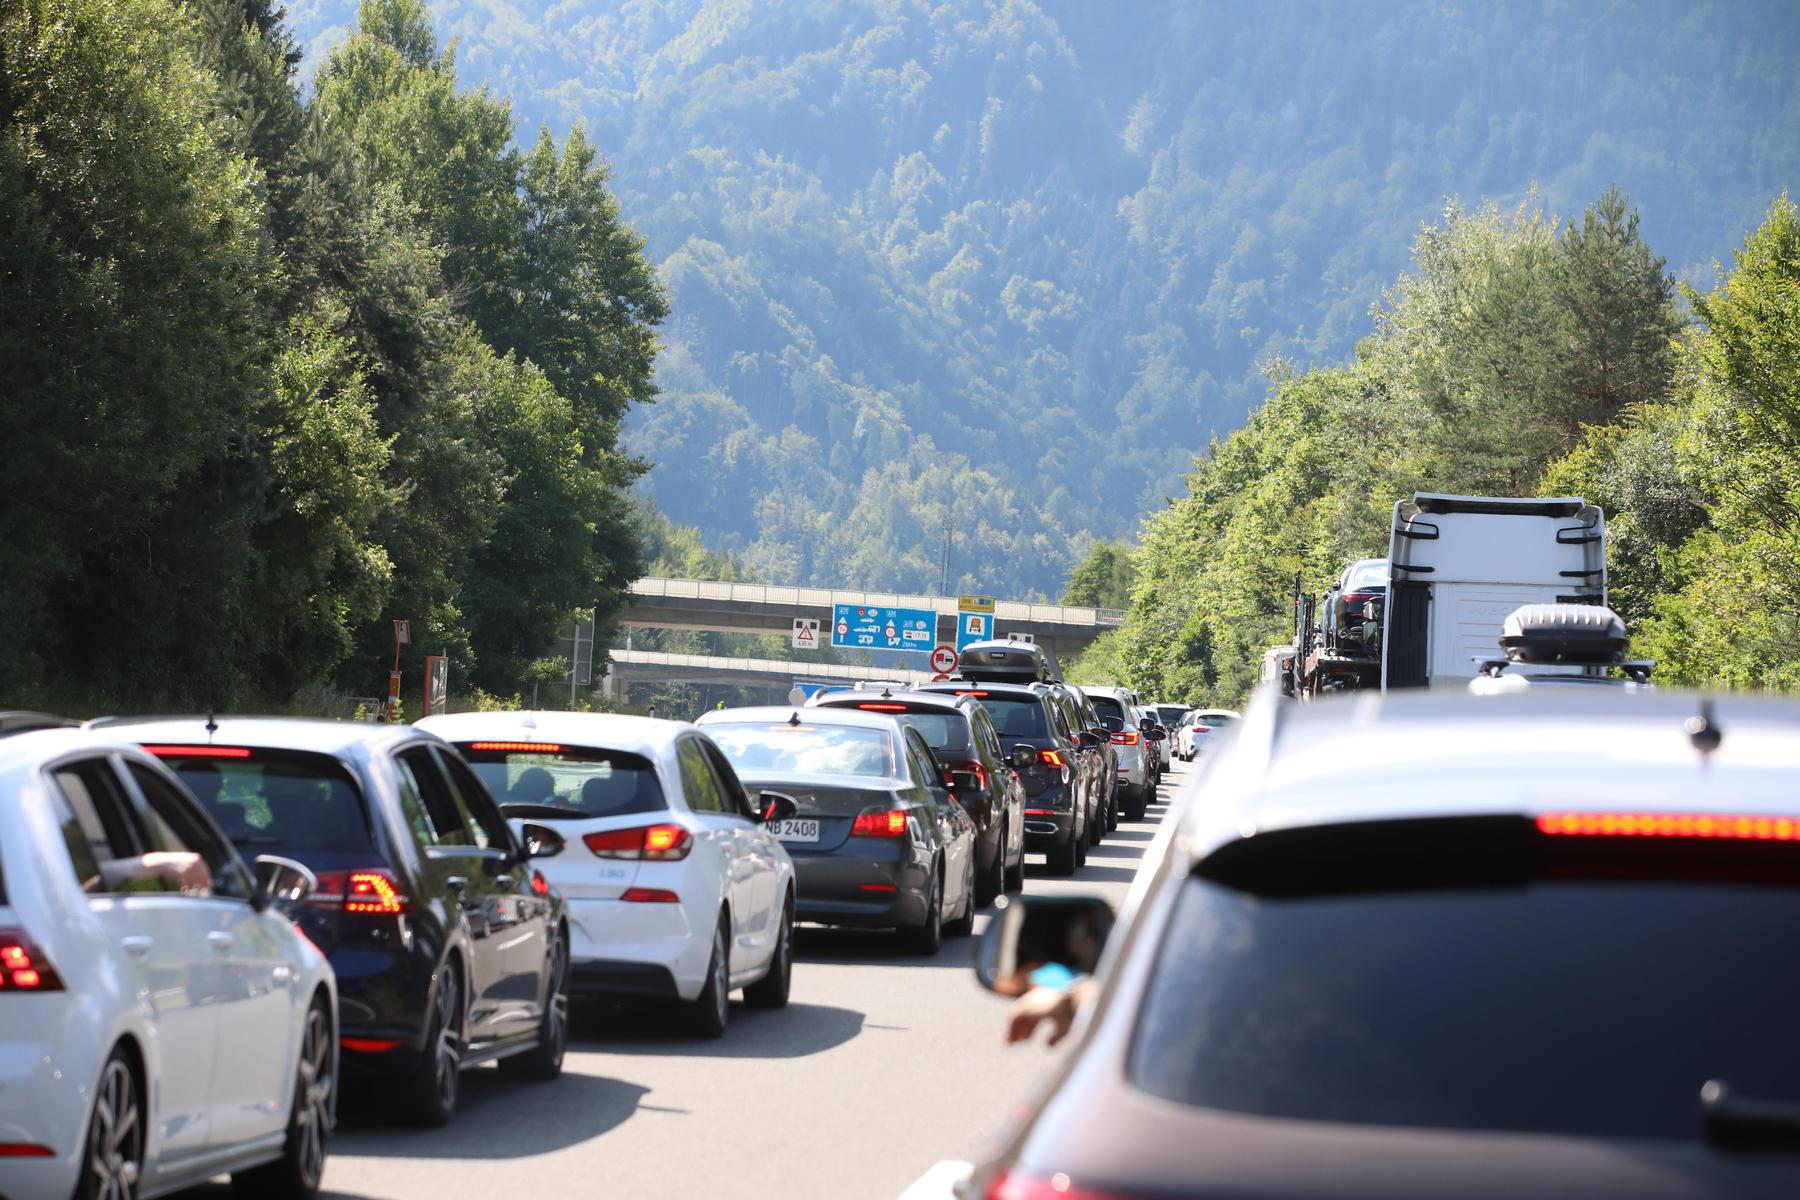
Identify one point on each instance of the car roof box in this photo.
(1563, 633)
(1004, 661)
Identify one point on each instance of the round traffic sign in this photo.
(943, 660)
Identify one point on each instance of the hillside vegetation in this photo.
(1004, 267)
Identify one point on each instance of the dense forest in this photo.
(1518, 356)
(287, 361)
(1002, 268)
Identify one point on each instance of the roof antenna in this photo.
(887, 692)
(212, 725)
(1703, 731)
(794, 719)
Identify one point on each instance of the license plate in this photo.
(796, 830)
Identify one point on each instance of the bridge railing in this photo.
(654, 587)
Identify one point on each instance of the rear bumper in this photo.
(614, 977)
(847, 891)
(627, 948)
(1043, 832)
(51, 1050)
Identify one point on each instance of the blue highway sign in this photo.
(865, 628)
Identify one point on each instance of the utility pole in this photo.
(944, 579)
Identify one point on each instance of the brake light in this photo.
(639, 895)
(977, 695)
(25, 1150)
(900, 708)
(1009, 1185)
(1360, 596)
(879, 822)
(1050, 758)
(1040, 812)
(369, 1045)
(23, 967)
(1125, 737)
(517, 747)
(539, 885)
(1671, 825)
(659, 843)
(371, 893)
(198, 751)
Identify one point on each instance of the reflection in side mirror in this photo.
(777, 806)
(540, 841)
(1154, 735)
(1113, 724)
(1024, 756)
(1042, 941)
(285, 882)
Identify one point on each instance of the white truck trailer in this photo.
(1460, 565)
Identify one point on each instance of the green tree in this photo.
(1103, 578)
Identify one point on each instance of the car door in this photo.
(954, 829)
(524, 926)
(252, 1077)
(722, 833)
(1005, 793)
(158, 935)
(761, 857)
(458, 871)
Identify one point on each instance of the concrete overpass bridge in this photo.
(651, 666)
(658, 603)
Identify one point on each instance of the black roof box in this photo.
(1563, 633)
(1004, 661)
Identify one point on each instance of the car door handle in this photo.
(137, 945)
(220, 941)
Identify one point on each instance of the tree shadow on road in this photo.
(513, 1119)
(792, 1032)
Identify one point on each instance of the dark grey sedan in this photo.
(877, 840)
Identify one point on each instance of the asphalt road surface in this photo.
(881, 1065)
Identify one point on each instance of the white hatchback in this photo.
(161, 1020)
(675, 887)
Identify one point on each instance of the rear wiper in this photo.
(254, 839)
(1735, 1119)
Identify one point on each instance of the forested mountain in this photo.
(1006, 266)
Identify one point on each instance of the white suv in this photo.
(1118, 712)
(675, 887)
(161, 1020)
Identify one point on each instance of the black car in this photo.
(1100, 762)
(876, 839)
(1056, 792)
(977, 770)
(450, 949)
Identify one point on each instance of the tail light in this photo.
(23, 967)
(1010, 1185)
(639, 895)
(25, 1150)
(1050, 758)
(199, 751)
(653, 843)
(1125, 737)
(1668, 825)
(369, 1045)
(371, 893)
(880, 822)
(886, 708)
(516, 747)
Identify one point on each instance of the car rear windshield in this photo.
(806, 749)
(945, 732)
(1584, 1008)
(567, 782)
(1168, 714)
(303, 806)
(1015, 715)
(1106, 706)
(1368, 576)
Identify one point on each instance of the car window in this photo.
(300, 805)
(698, 784)
(90, 810)
(781, 747)
(1015, 715)
(473, 804)
(175, 826)
(1106, 706)
(736, 798)
(924, 767)
(568, 782)
(1591, 1008)
(419, 773)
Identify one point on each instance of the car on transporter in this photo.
(450, 948)
(162, 1021)
(676, 888)
(876, 838)
(1440, 945)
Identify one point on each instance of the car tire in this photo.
(771, 991)
(993, 882)
(964, 925)
(114, 1148)
(1064, 856)
(1112, 815)
(1081, 851)
(1136, 804)
(708, 1015)
(296, 1175)
(1015, 876)
(437, 1078)
(926, 938)
(544, 1061)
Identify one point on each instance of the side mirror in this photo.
(1042, 941)
(777, 806)
(1023, 757)
(1155, 734)
(285, 883)
(540, 841)
(1113, 724)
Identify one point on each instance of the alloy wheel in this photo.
(116, 1139)
(313, 1102)
(721, 976)
(447, 1061)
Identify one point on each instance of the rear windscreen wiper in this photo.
(1735, 1119)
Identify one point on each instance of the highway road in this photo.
(882, 1065)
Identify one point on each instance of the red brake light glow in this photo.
(1012, 1186)
(539, 885)
(881, 823)
(639, 895)
(1125, 737)
(1050, 758)
(369, 1045)
(373, 893)
(25, 1150)
(517, 747)
(659, 843)
(198, 751)
(977, 695)
(23, 967)
(883, 707)
(1671, 825)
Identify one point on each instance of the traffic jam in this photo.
(1459, 905)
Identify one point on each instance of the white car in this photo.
(1197, 727)
(675, 888)
(161, 1020)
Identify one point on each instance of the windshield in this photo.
(1367, 576)
(1588, 1008)
(1106, 706)
(780, 748)
(574, 782)
(303, 806)
(1015, 716)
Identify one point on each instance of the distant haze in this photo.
(991, 274)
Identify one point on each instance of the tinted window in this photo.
(88, 807)
(420, 775)
(781, 748)
(946, 731)
(736, 798)
(1106, 706)
(1367, 576)
(923, 766)
(573, 783)
(699, 787)
(473, 804)
(1016, 716)
(1588, 1008)
(1169, 714)
(303, 806)
(176, 826)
